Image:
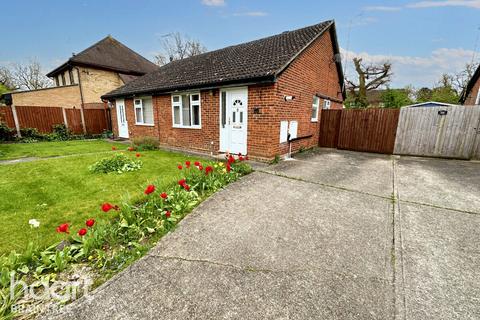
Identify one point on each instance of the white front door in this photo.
(121, 119)
(233, 120)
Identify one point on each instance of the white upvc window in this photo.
(143, 111)
(477, 101)
(186, 110)
(315, 107)
(326, 104)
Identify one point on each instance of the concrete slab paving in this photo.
(365, 172)
(441, 260)
(440, 182)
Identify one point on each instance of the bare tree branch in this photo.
(24, 76)
(176, 47)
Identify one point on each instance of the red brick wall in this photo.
(205, 139)
(314, 71)
(472, 96)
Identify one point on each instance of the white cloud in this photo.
(363, 21)
(446, 3)
(251, 14)
(415, 70)
(213, 3)
(382, 8)
(428, 4)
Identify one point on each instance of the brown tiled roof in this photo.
(110, 54)
(255, 61)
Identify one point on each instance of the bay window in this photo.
(143, 111)
(186, 112)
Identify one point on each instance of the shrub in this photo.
(145, 143)
(118, 163)
(60, 132)
(31, 133)
(6, 133)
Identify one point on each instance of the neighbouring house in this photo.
(80, 82)
(248, 98)
(471, 94)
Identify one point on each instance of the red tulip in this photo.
(90, 223)
(200, 168)
(187, 164)
(186, 187)
(197, 163)
(164, 195)
(63, 228)
(180, 167)
(246, 158)
(231, 159)
(114, 148)
(208, 170)
(82, 232)
(137, 155)
(240, 158)
(150, 188)
(182, 182)
(229, 167)
(130, 149)
(167, 214)
(107, 207)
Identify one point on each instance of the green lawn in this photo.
(57, 148)
(60, 190)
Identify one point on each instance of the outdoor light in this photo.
(288, 98)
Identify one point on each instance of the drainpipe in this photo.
(84, 127)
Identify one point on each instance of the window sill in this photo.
(314, 120)
(144, 124)
(185, 127)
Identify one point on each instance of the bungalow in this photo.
(471, 94)
(260, 97)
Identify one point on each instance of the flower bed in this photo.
(109, 246)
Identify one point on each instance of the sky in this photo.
(422, 39)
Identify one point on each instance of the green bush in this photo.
(6, 133)
(60, 132)
(118, 163)
(145, 143)
(31, 133)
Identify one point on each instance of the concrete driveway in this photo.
(332, 235)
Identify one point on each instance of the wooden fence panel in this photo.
(370, 130)
(42, 118)
(96, 120)
(6, 116)
(451, 132)
(329, 128)
(74, 120)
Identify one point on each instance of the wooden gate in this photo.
(451, 132)
(370, 130)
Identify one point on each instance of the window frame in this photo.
(141, 111)
(318, 107)
(180, 105)
(70, 75)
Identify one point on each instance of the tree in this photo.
(423, 94)
(24, 76)
(370, 77)
(444, 91)
(459, 81)
(176, 46)
(396, 98)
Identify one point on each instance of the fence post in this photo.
(15, 119)
(65, 117)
